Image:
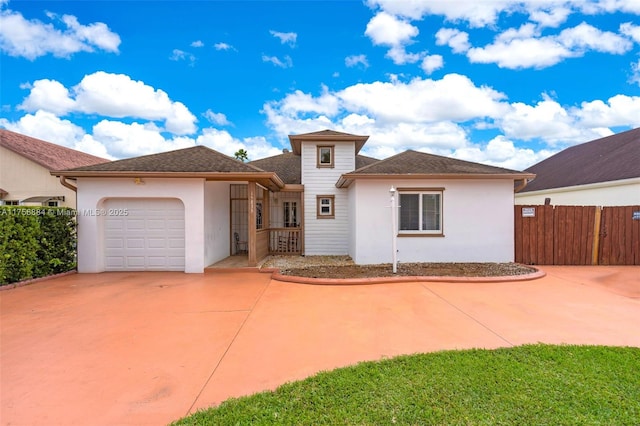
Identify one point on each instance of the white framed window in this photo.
(420, 212)
(325, 156)
(11, 202)
(325, 206)
(52, 203)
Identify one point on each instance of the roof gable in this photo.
(606, 159)
(197, 159)
(49, 155)
(330, 136)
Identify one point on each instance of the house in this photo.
(603, 172)
(25, 163)
(187, 209)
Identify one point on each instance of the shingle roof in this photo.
(606, 159)
(188, 160)
(287, 166)
(421, 163)
(363, 160)
(46, 154)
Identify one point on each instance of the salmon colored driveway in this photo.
(149, 348)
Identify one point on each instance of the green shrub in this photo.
(36, 242)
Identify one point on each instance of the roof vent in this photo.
(285, 151)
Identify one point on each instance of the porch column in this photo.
(251, 195)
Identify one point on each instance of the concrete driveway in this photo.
(149, 348)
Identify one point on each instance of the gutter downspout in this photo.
(520, 187)
(63, 182)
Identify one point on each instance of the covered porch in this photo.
(264, 222)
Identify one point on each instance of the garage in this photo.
(143, 234)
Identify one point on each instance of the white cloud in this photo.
(223, 46)
(631, 30)
(181, 55)
(354, 60)
(431, 63)
(46, 126)
(619, 110)
(285, 38)
(217, 118)
(635, 73)
(222, 141)
(547, 119)
(399, 55)
(552, 17)
(111, 95)
(303, 103)
(33, 38)
(48, 95)
(457, 40)
(585, 36)
(286, 62)
(387, 30)
(197, 43)
(525, 48)
(117, 95)
(455, 97)
(546, 13)
(123, 140)
(520, 53)
(501, 152)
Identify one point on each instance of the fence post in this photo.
(596, 236)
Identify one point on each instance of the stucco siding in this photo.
(477, 223)
(615, 193)
(326, 236)
(22, 178)
(93, 192)
(216, 222)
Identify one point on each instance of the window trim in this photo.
(420, 232)
(331, 149)
(332, 207)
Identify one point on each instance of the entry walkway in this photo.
(148, 348)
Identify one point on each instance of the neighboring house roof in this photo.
(197, 161)
(607, 159)
(47, 154)
(419, 165)
(326, 136)
(288, 167)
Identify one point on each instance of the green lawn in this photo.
(526, 385)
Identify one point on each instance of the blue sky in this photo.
(494, 81)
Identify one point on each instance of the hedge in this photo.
(36, 242)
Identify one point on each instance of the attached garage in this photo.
(144, 234)
(162, 212)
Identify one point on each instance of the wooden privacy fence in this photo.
(577, 235)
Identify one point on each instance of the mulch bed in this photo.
(412, 269)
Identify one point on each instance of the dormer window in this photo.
(325, 156)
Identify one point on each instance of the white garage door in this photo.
(144, 234)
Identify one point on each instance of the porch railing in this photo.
(285, 241)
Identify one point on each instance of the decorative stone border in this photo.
(405, 279)
(35, 280)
